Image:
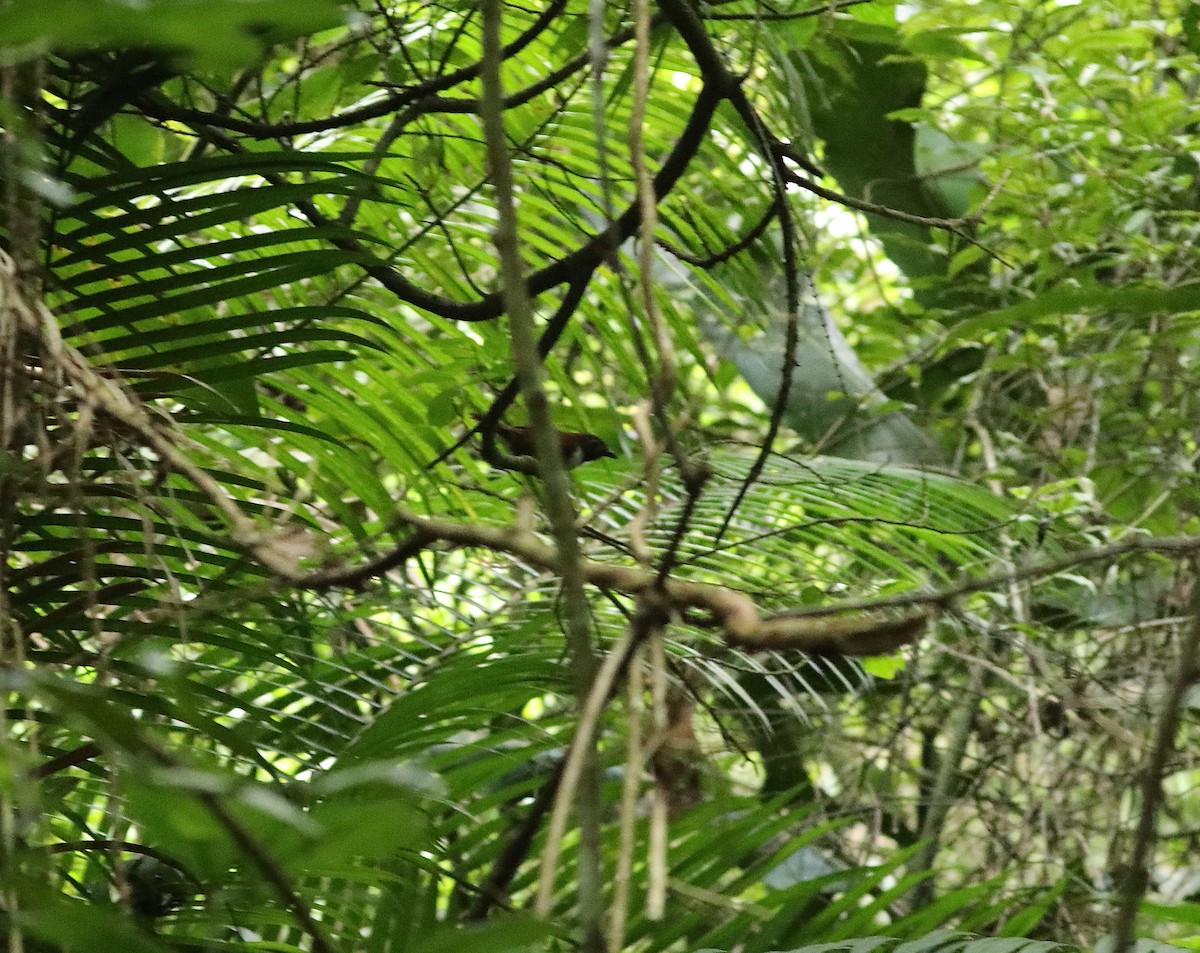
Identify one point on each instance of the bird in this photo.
(577, 448)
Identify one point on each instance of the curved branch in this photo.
(768, 16)
(857, 627)
(685, 19)
(398, 100)
(549, 337)
(576, 266)
(736, 247)
(464, 104)
(741, 624)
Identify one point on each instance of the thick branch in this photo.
(733, 612)
(857, 627)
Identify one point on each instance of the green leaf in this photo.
(1191, 27)
(513, 934)
(219, 34)
(1131, 299)
(886, 667)
(86, 927)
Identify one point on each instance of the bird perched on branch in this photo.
(576, 447)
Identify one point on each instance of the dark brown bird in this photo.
(576, 447)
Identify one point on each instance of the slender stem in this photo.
(271, 872)
(556, 487)
(634, 757)
(1138, 878)
(941, 797)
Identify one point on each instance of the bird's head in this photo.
(583, 448)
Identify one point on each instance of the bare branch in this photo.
(733, 612)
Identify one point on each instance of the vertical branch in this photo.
(557, 493)
(660, 366)
(662, 379)
(20, 220)
(687, 21)
(656, 863)
(634, 757)
(21, 90)
(648, 510)
(582, 748)
(1137, 879)
(941, 798)
(598, 54)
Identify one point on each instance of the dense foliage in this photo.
(881, 622)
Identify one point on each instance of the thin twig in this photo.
(270, 870)
(1176, 546)
(956, 226)
(492, 890)
(554, 328)
(736, 247)
(373, 110)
